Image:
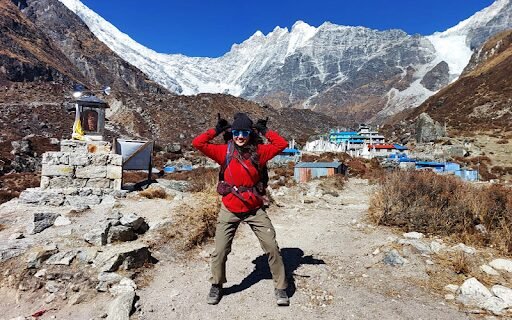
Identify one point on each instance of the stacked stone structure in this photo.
(79, 175)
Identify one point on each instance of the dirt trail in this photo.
(330, 253)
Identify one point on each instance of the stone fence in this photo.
(79, 175)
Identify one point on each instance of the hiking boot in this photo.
(282, 297)
(215, 294)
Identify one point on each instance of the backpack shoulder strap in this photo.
(229, 155)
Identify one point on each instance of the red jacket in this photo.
(235, 174)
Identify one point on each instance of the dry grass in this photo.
(282, 176)
(333, 184)
(11, 185)
(154, 193)
(193, 226)
(444, 205)
(461, 264)
(366, 169)
(199, 179)
(325, 157)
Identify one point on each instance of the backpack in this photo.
(262, 184)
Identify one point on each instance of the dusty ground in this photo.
(327, 247)
(330, 255)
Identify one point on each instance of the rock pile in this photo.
(471, 293)
(117, 228)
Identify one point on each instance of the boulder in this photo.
(124, 256)
(120, 308)
(437, 77)
(53, 286)
(504, 293)
(87, 255)
(413, 235)
(464, 248)
(131, 220)
(419, 245)
(106, 280)
(428, 130)
(473, 293)
(138, 224)
(489, 270)
(61, 221)
(121, 234)
(99, 236)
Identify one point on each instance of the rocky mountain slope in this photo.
(353, 73)
(26, 53)
(41, 58)
(481, 99)
(95, 61)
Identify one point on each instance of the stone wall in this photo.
(79, 175)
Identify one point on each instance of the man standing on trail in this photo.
(241, 160)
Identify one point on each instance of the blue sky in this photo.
(208, 28)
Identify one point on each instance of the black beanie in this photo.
(241, 122)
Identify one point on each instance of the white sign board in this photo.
(136, 153)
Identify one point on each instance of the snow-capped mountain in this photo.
(361, 73)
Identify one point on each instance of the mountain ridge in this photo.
(295, 67)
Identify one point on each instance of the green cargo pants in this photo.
(227, 223)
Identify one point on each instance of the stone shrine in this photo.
(81, 174)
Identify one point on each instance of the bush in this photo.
(444, 205)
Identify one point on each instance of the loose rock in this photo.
(393, 258)
(62, 258)
(43, 220)
(35, 258)
(123, 256)
(413, 235)
(489, 270)
(501, 264)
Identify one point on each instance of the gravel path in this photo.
(331, 257)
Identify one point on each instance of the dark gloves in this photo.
(261, 126)
(222, 125)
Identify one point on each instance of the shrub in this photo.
(444, 205)
(502, 141)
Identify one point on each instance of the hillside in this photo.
(26, 53)
(481, 99)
